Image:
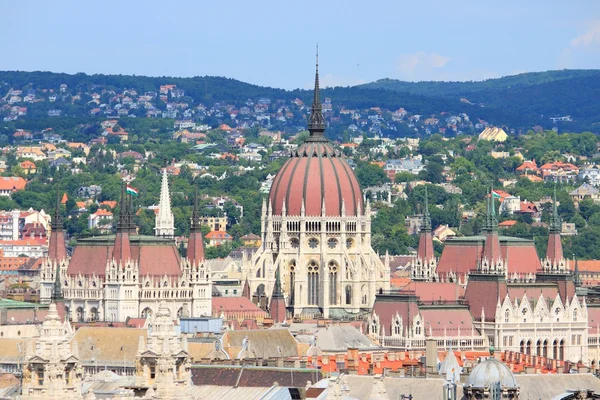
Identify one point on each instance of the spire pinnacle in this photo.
(122, 222)
(195, 217)
(164, 222)
(426, 224)
(316, 122)
(555, 222)
(57, 222)
(277, 288)
(491, 224)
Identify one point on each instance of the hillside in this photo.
(518, 102)
(539, 94)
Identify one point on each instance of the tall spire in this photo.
(122, 246)
(491, 222)
(56, 247)
(123, 220)
(316, 122)
(555, 222)
(164, 222)
(426, 223)
(195, 217)
(195, 249)
(277, 306)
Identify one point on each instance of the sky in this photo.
(272, 43)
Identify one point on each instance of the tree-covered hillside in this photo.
(534, 96)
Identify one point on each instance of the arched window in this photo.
(545, 348)
(292, 287)
(529, 347)
(333, 274)
(575, 315)
(313, 283)
(555, 350)
(397, 328)
(562, 350)
(506, 315)
(418, 328)
(522, 347)
(538, 349)
(348, 294)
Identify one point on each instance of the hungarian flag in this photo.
(496, 195)
(132, 191)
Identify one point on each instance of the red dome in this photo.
(316, 171)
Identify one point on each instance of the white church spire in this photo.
(165, 224)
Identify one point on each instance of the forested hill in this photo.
(540, 94)
(518, 102)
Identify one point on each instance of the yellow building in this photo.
(251, 240)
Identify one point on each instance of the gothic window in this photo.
(575, 315)
(292, 282)
(397, 328)
(313, 283)
(418, 328)
(349, 243)
(332, 243)
(333, 273)
(165, 284)
(295, 243)
(313, 243)
(348, 294)
(506, 315)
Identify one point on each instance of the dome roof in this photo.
(316, 175)
(489, 372)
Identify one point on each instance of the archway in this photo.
(522, 347)
(79, 314)
(538, 350)
(546, 344)
(93, 314)
(555, 349)
(562, 350)
(146, 313)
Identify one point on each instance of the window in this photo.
(575, 315)
(332, 243)
(295, 243)
(313, 243)
(313, 283)
(40, 376)
(506, 315)
(349, 243)
(333, 282)
(152, 371)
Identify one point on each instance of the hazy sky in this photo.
(272, 43)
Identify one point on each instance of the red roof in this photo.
(234, 304)
(507, 224)
(315, 174)
(155, 259)
(218, 235)
(449, 320)
(435, 291)
(12, 183)
(528, 165)
(461, 256)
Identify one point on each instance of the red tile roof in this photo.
(13, 183)
(154, 258)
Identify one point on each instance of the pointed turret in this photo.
(122, 248)
(56, 248)
(316, 122)
(246, 289)
(554, 251)
(195, 250)
(164, 223)
(424, 266)
(492, 256)
(576, 277)
(277, 306)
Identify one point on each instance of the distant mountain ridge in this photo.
(536, 94)
(519, 101)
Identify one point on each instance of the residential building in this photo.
(590, 174)
(11, 184)
(585, 191)
(217, 238)
(493, 134)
